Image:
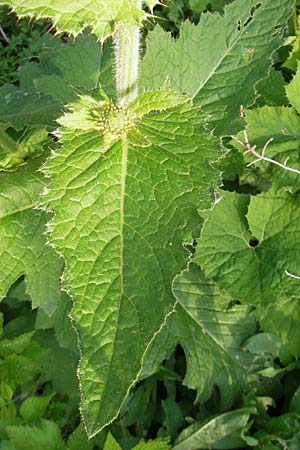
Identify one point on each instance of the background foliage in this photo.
(223, 371)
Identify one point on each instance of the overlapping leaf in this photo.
(211, 336)
(248, 253)
(219, 61)
(64, 71)
(281, 125)
(73, 17)
(283, 320)
(221, 432)
(124, 189)
(22, 241)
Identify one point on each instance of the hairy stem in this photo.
(127, 57)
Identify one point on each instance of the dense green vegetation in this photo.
(149, 227)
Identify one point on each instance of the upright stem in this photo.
(127, 57)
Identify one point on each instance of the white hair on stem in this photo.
(127, 58)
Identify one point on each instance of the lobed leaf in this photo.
(247, 253)
(211, 335)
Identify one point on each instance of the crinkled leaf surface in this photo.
(214, 432)
(73, 17)
(22, 241)
(219, 61)
(247, 253)
(211, 336)
(124, 189)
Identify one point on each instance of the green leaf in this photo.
(16, 345)
(263, 343)
(122, 176)
(219, 61)
(83, 61)
(271, 90)
(33, 408)
(283, 430)
(247, 254)
(293, 90)
(60, 321)
(27, 74)
(295, 402)
(198, 5)
(172, 417)
(1, 324)
(157, 444)
(45, 438)
(23, 246)
(59, 365)
(139, 409)
(111, 443)
(282, 125)
(214, 432)
(283, 320)
(79, 441)
(55, 86)
(293, 59)
(28, 108)
(72, 17)
(18, 369)
(279, 127)
(211, 336)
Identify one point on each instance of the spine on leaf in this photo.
(127, 57)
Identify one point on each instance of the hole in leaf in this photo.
(253, 242)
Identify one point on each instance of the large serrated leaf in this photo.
(211, 336)
(124, 189)
(22, 241)
(219, 61)
(73, 17)
(248, 254)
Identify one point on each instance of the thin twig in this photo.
(3, 34)
(260, 156)
(291, 275)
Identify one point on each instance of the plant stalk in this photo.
(127, 58)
